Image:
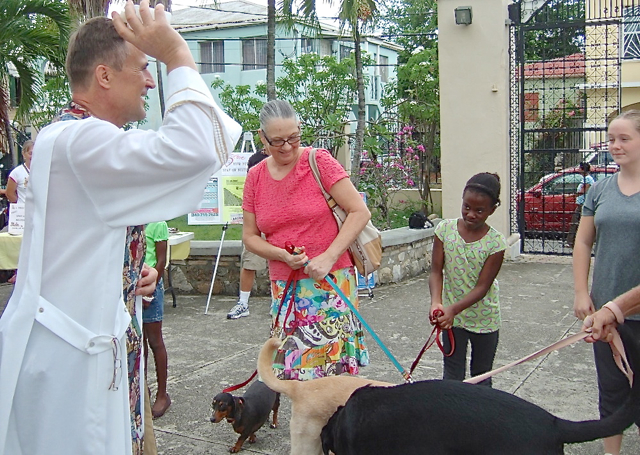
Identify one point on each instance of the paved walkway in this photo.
(208, 353)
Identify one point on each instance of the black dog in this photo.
(247, 413)
(449, 417)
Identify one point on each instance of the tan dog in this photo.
(313, 402)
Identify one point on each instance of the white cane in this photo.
(215, 269)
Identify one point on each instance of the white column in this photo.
(474, 101)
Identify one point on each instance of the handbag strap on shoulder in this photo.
(313, 164)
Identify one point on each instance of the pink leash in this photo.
(616, 346)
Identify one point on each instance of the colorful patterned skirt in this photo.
(322, 336)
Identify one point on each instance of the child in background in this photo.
(157, 236)
(467, 256)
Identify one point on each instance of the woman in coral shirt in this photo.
(283, 201)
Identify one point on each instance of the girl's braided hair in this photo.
(486, 183)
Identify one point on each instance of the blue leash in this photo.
(407, 376)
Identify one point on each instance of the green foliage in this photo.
(555, 138)
(241, 103)
(206, 231)
(557, 30)
(321, 90)
(398, 215)
(419, 87)
(55, 94)
(31, 32)
(414, 99)
(412, 24)
(390, 164)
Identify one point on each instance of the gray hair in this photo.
(276, 109)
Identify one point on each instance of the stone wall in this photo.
(406, 254)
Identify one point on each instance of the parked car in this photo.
(549, 204)
(600, 158)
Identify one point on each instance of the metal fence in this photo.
(568, 58)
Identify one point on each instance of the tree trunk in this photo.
(357, 153)
(271, 50)
(160, 88)
(13, 151)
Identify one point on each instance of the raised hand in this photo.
(153, 35)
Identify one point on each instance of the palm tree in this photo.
(271, 50)
(86, 9)
(31, 32)
(357, 15)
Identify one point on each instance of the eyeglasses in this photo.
(292, 141)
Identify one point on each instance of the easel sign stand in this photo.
(215, 269)
(247, 137)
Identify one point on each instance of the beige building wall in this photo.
(474, 101)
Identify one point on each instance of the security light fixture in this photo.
(463, 15)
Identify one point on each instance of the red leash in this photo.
(276, 330)
(242, 384)
(437, 330)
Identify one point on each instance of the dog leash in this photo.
(276, 330)
(241, 385)
(434, 337)
(329, 279)
(616, 346)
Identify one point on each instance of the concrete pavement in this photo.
(208, 353)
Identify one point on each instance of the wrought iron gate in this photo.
(572, 70)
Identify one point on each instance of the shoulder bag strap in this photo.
(316, 174)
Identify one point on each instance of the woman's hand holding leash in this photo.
(297, 258)
(319, 267)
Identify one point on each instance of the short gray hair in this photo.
(276, 109)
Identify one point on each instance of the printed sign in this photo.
(16, 218)
(222, 198)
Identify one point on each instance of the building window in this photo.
(326, 47)
(211, 57)
(384, 69)
(531, 106)
(254, 54)
(308, 46)
(631, 32)
(375, 87)
(345, 52)
(15, 91)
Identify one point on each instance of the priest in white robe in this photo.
(63, 371)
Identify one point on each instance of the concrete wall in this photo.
(406, 254)
(474, 101)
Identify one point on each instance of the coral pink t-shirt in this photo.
(293, 209)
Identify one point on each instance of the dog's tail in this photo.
(623, 418)
(265, 370)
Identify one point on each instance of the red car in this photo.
(549, 205)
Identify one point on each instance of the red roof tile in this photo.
(569, 66)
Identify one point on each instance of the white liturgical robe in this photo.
(63, 371)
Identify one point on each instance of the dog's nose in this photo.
(212, 419)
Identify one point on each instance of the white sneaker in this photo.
(238, 311)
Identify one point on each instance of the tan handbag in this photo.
(366, 249)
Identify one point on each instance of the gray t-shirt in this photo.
(617, 220)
